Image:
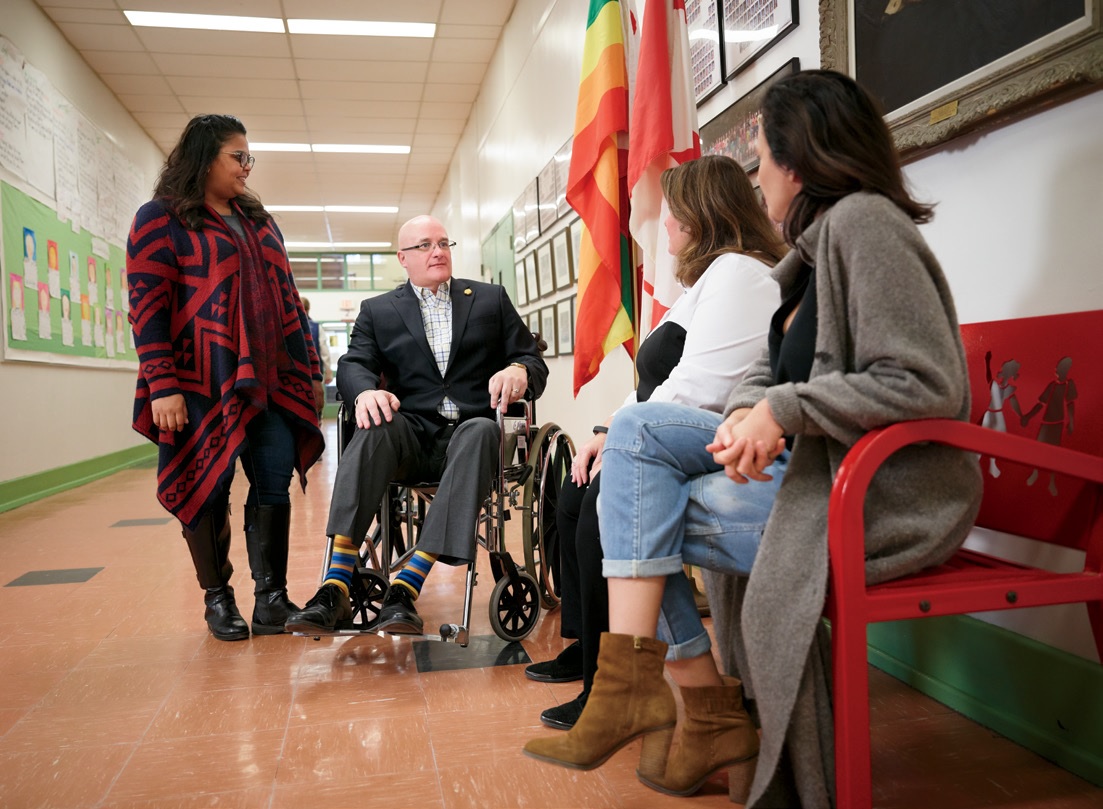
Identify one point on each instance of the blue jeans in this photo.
(268, 460)
(672, 505)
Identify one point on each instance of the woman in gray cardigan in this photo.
(867, 336)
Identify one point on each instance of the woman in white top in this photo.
(725, 248)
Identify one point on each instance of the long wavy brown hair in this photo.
(824, 127)
(183, 177)
(712, 199)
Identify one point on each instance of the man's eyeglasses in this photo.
(426, 246)
(245, 159)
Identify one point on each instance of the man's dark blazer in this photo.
(389, 349)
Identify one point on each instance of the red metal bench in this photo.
(1065, 507)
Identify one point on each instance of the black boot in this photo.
(209, 545)
(267, 530)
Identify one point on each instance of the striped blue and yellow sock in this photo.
(412, 577)
(342, 563)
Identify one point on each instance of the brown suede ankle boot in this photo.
(716, 733)
(629, 698)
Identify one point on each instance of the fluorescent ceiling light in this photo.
(206, 22)
(361, 208)
(360, 148)
(338, 246)
(294, 208)
(362, 28)
(279, 147)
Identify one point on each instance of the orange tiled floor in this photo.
(114, 695)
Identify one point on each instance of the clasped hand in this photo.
(748, 441)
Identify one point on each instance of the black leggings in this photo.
(585, 610)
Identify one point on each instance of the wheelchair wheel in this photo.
(551, 459)
(514, 609)
(368, 589)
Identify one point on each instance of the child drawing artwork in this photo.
(1057, 404)
(74, 274)
(66, 319)
(18, 318)
(53, 269)
(44, 330)
(93, 288)
(120, 332)
(1001, 395)
(108, 290)
(109, 343)
(85, 321)
(30, 259)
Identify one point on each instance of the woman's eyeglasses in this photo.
(426, 246)
(245, 159)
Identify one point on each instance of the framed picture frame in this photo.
(547, 185)
(547, 330)
(545, 269)
(532, 320)
(522, 287)
(564, 274)
(563, 174)
(749, 28)
(576, 246)
(1032, 56)
(564, 324)
(532, 212)
(706, 60)
(531, 278)
(734, 131)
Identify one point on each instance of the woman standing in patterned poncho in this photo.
(227, 368)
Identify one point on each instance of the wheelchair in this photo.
(533, 463)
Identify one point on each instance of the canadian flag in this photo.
(662, 133)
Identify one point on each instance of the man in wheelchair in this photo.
(427, 365)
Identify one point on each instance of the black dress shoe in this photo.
(563, 717)
(328, 610)
(565, 668)
(397, 614)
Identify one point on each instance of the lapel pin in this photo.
(467, 291)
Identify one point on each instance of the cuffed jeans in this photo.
(666, 503)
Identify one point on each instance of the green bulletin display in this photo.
(64, 293)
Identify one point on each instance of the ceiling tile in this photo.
(329, 108)
(361, 90)
(241, 8)
(106, 15)
(456, 72)
(213, 43)
(469, 32)
(101, 37)
(446, 109)
(464, 50)
(484, 12)
(151, 103)
(227, 67)
(136, 84)
(441, 127)
(451, 92)
(47, 6)
(199, 105)
(120, 62)
(388, 49)
(360, 70)
(232, 87)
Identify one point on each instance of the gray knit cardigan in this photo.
(888, 349)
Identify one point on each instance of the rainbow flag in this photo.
(597, 188)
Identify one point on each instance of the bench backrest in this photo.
(1052, 368)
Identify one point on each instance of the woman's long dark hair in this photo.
(824, 127)
(713, 199)
(184, 176)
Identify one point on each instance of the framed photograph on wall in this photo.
(531, 278)
(576, 242)
(533, 321)
(563, 173)
(548, 187)
(544, 266)
(706, 67)
(564, 318)
(751, 27)
(564, 276)
(975, 69)
(734, 131)
(547, 330)
(522, 292)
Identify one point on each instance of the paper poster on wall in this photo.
(75, 315)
